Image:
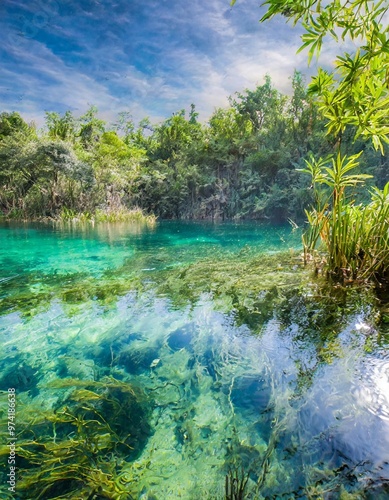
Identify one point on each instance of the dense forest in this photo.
(242, 164)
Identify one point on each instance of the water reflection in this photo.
(288, 389)
(373, 386)
(72, 248)
(218, 398)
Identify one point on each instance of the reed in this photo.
(107, 215)
(350, 241)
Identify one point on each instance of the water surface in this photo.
(147, 396)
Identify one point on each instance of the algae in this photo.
(77, 448)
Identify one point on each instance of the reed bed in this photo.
(350, 241)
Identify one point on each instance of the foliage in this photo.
(243, 163)
(78, 448)
(61, 127)
(11, 123)
(124, 215)
(118, 215)
(37, 176)
(355, 236)
(357, 91)
(354, 96)
(262, 106)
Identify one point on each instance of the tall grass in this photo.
(350, 241)
(107, 215)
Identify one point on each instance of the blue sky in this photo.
(148, 57)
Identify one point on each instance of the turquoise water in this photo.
(140, 398)
(93, 249)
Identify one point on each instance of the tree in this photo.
(124, 123)
(91, 128)
(39, 176)
(354, 94)
(166, 186)
(356, 91)
(116, 165)
(261, 106)
(61, 127)
(174, 134)
(12, 123)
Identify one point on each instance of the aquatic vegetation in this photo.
(164, 373)
(78, 448)
(107, 215)
(125, 215)
(248, 282)
(341, 225)
(236, 485)
(250, 285)
(77, 268)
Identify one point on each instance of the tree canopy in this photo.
(356, 91)
(242, 163)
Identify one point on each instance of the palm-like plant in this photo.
(355, 237)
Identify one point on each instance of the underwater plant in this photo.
(236, 483)
(83, 448)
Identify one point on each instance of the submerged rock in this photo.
(136, 361)
(182, 337)
(20, 377)
(251, 393)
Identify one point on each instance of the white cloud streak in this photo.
(152, 58)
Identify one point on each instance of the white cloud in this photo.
(152, 58)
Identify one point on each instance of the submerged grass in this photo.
(249, 283)
(253, 286)
(236, 483)
(77, 448)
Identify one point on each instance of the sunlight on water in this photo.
(297, 415)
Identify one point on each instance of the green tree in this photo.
(261, 106)
(124, 123)
(356, 91)
(61, 127)
(173, 135)
(116, 166)
(91, 128)
(167, 184)
(11, 123)
(38, 177)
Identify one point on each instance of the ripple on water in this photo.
(372, 386)
(214, 393)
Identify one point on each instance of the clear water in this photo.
(93, 249)
(299, 405)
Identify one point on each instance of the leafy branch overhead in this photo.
(356, 92)
(353, 96)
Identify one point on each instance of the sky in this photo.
(146, 57)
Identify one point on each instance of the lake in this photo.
(187, 360)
